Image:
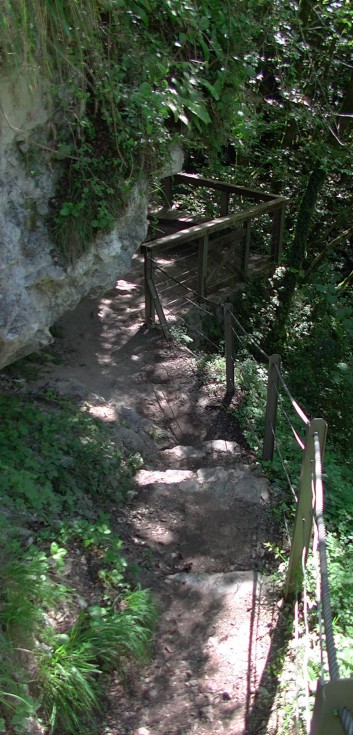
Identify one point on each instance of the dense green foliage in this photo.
(266, 86)
(299, 109)
(58, 640)
(130, 79)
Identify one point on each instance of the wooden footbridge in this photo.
(203, 257)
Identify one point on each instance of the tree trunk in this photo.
(277, 335)
(304, 12)
(295, 260)
(314, 265)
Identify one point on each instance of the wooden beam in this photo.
(216, 225)
(271, 406)
(167, 188)
(246, 250)
(303, 517)
(255, 195)
(159, 308)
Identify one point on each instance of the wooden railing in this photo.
(333, 708)
(227, 230)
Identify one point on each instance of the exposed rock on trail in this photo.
(193, 529)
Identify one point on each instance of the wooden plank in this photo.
(246, 250)
(178, 215)
(217, 269)
(216, 225)
(179, 224)
(304, 512)
(255, 195)
(165, 215)
(331, 696)
(159, 308)
(202, 266)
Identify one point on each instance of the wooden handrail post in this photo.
(277, 233)
(245, 250)
(303, 517)
(148, 277)
(331, 696)
(224, 203)
(167, 186)
(229, 348)
(271, 406)
(202, 266)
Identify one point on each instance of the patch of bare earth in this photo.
(193, 529)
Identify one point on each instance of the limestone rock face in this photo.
(35, 288)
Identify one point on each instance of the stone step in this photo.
(209, 626)
(241, 482)
(212, 519)
(209, 452)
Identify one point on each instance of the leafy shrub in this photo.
(56, 460)
(130, 78)
(56, 463)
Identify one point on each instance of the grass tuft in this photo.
(58, 648)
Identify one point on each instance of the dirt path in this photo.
(194, 526)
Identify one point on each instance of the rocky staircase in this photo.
(193, 530)
(200, 519)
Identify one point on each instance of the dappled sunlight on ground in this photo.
(197, 516)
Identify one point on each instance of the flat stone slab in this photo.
(215, 585)
(166, 477)
(241, 482)
(213, 519)
(210, 452)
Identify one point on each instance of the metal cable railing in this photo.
(250, 338)
(190, 327)
(293, 430)
(312, 451)
(180, 283)
(281, 457)
(325, 591)
(294, 403)
(344, 714)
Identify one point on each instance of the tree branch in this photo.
(320, 257)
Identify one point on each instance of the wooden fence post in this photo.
(331, 696)
(224, 203)
(277, 233)
(271, 406)
(148, 276)
(245, 250)
(167, 186)
(229, 348)
(202, 266)
(303, 517)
